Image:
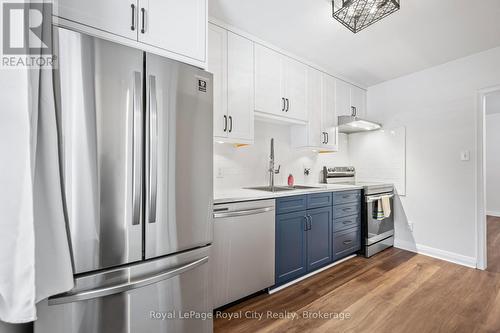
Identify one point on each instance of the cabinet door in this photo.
(240, 83)
(295, 89)
(342, 98)
(217, 65)
(175, 26)
(315, 131)
(358, 100)
(268, 81)
(319, 238)
(118, 17)
(290, 246)
(328, 111)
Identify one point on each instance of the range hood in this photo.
(354, 124)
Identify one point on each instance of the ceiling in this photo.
(493, 103)
(424, 33)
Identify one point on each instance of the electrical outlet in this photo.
(220, 172)
(410, 226)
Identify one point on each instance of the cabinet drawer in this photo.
(344, 197)
(346, 243)
(291, 204)
(346, 210)
(347, 223)
(318, 200)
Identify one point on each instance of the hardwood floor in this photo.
(493, 234)
(395, 291)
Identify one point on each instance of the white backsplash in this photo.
(247, 166)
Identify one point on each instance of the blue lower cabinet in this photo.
(291, 259)
(315, 230)
(346, 242)
(319, 238)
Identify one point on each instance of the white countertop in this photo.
(242, 194)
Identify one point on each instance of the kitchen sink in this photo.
(281, 188)
(303, 187)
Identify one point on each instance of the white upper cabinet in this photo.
(320, 133)
(268, 81)
(328, 112)
(349, 96)
(175, 26)
(114, 16)
(171, 28)
(230, 60)
(342, 98)
(217, 65)
(295, 88)
(240, 85)
(315, 136)
(280, 85)
(358, 100)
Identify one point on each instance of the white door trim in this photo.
(480, 172)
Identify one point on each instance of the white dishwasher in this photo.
(242, 261)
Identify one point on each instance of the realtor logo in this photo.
(26, 34)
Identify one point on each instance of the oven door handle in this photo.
(375, 198)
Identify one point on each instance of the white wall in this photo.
(493, 163)
(438, 108)
(247, 166)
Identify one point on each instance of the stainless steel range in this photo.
(377, 231)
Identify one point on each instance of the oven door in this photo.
(377, 230)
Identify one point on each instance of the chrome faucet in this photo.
(272, 170)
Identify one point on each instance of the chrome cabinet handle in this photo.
(132, 27)
(137, 150)
(327, 137)
(230, 124)
(310, 222)
(153, 149)
(284, 104)
(225, 123)
(306, 222)
(287, 104)
(126, 286)
(347, 209)
(245, 212)
(348, 242)
(348, 222)
(143, 14)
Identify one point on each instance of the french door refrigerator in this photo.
(135, 129)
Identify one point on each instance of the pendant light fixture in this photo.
(356, 15)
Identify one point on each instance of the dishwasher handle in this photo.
(245, 212)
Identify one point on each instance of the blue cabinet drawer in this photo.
(347, 223)
(346, 243)
(346, 210)
(318, 200)
(291, 204)
(344, 197)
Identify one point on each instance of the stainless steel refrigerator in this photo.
(135, 130)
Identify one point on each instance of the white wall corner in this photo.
(436, 253)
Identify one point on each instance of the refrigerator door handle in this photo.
(124, 287)
(153, 148)
(137, 149)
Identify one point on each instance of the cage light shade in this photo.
(356, 15)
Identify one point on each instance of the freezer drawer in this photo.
(165, 295)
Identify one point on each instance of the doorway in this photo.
(488, 172)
